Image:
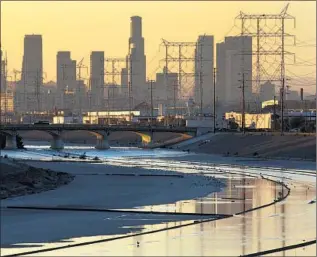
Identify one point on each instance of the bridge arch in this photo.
(100, 131)
(146, 137)
(101, 136)
(10, 139)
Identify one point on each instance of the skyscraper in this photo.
(233, 59)
(66, 80)
(32, 73)
(167, 89)
(97, 82)
(204, 66)
(137, 60)
(3, 70)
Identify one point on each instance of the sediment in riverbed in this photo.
(18, 179)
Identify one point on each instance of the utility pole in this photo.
(243, 104)
(215, 100)
(63, 66)
(174, 97)
(89, 95)
(274, 112)
(180, 68)
(201, 78)
(5, 88)
(283, 75)
(151, 85)
(130, 84)
(305, 113)
(38, 90)
(243, 79)
(282, 106)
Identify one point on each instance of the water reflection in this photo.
(289, 222)
(285, 223)
(240, 194)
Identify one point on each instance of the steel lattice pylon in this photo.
(181, 58)
(268, 30)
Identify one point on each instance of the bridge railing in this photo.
(92, 127)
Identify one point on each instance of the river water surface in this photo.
(291, 221)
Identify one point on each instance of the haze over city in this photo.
(158, 128)
(81, 27)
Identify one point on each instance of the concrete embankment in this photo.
(272, 146)
(19, 179)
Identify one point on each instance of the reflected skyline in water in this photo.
(291, 221)
(282, 224)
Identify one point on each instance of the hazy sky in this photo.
(85, 26)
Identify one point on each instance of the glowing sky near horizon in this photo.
(84, 26)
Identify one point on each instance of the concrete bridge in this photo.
(100, 131)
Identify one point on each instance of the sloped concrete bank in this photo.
(270, 146)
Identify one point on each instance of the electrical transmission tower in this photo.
(117, 81)
(180, 59)
(115, 65)
(79, 95)
(268, 30)
(4, 70)
(17, 98)
(81, 66)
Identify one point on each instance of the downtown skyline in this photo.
(114, 43)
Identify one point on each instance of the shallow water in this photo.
(42, 151)
(291, 221)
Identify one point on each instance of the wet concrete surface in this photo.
(291, 221)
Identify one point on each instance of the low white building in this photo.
(254, 120)
(108, 117)
(206, 122)
(67, 120)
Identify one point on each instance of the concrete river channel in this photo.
(255, 208)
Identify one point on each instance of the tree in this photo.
(2, 141)
(19, 141)
(297, 122)
(233, 124)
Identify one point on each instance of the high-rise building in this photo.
(234, 59)
(267, 91)
(66, 80)
(3, 71)
(48, 94)
(137, 62)
(204, 66)
(97, 82)
(166, 90)
(81, 98)
(32, 74)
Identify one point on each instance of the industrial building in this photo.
(254, 120)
